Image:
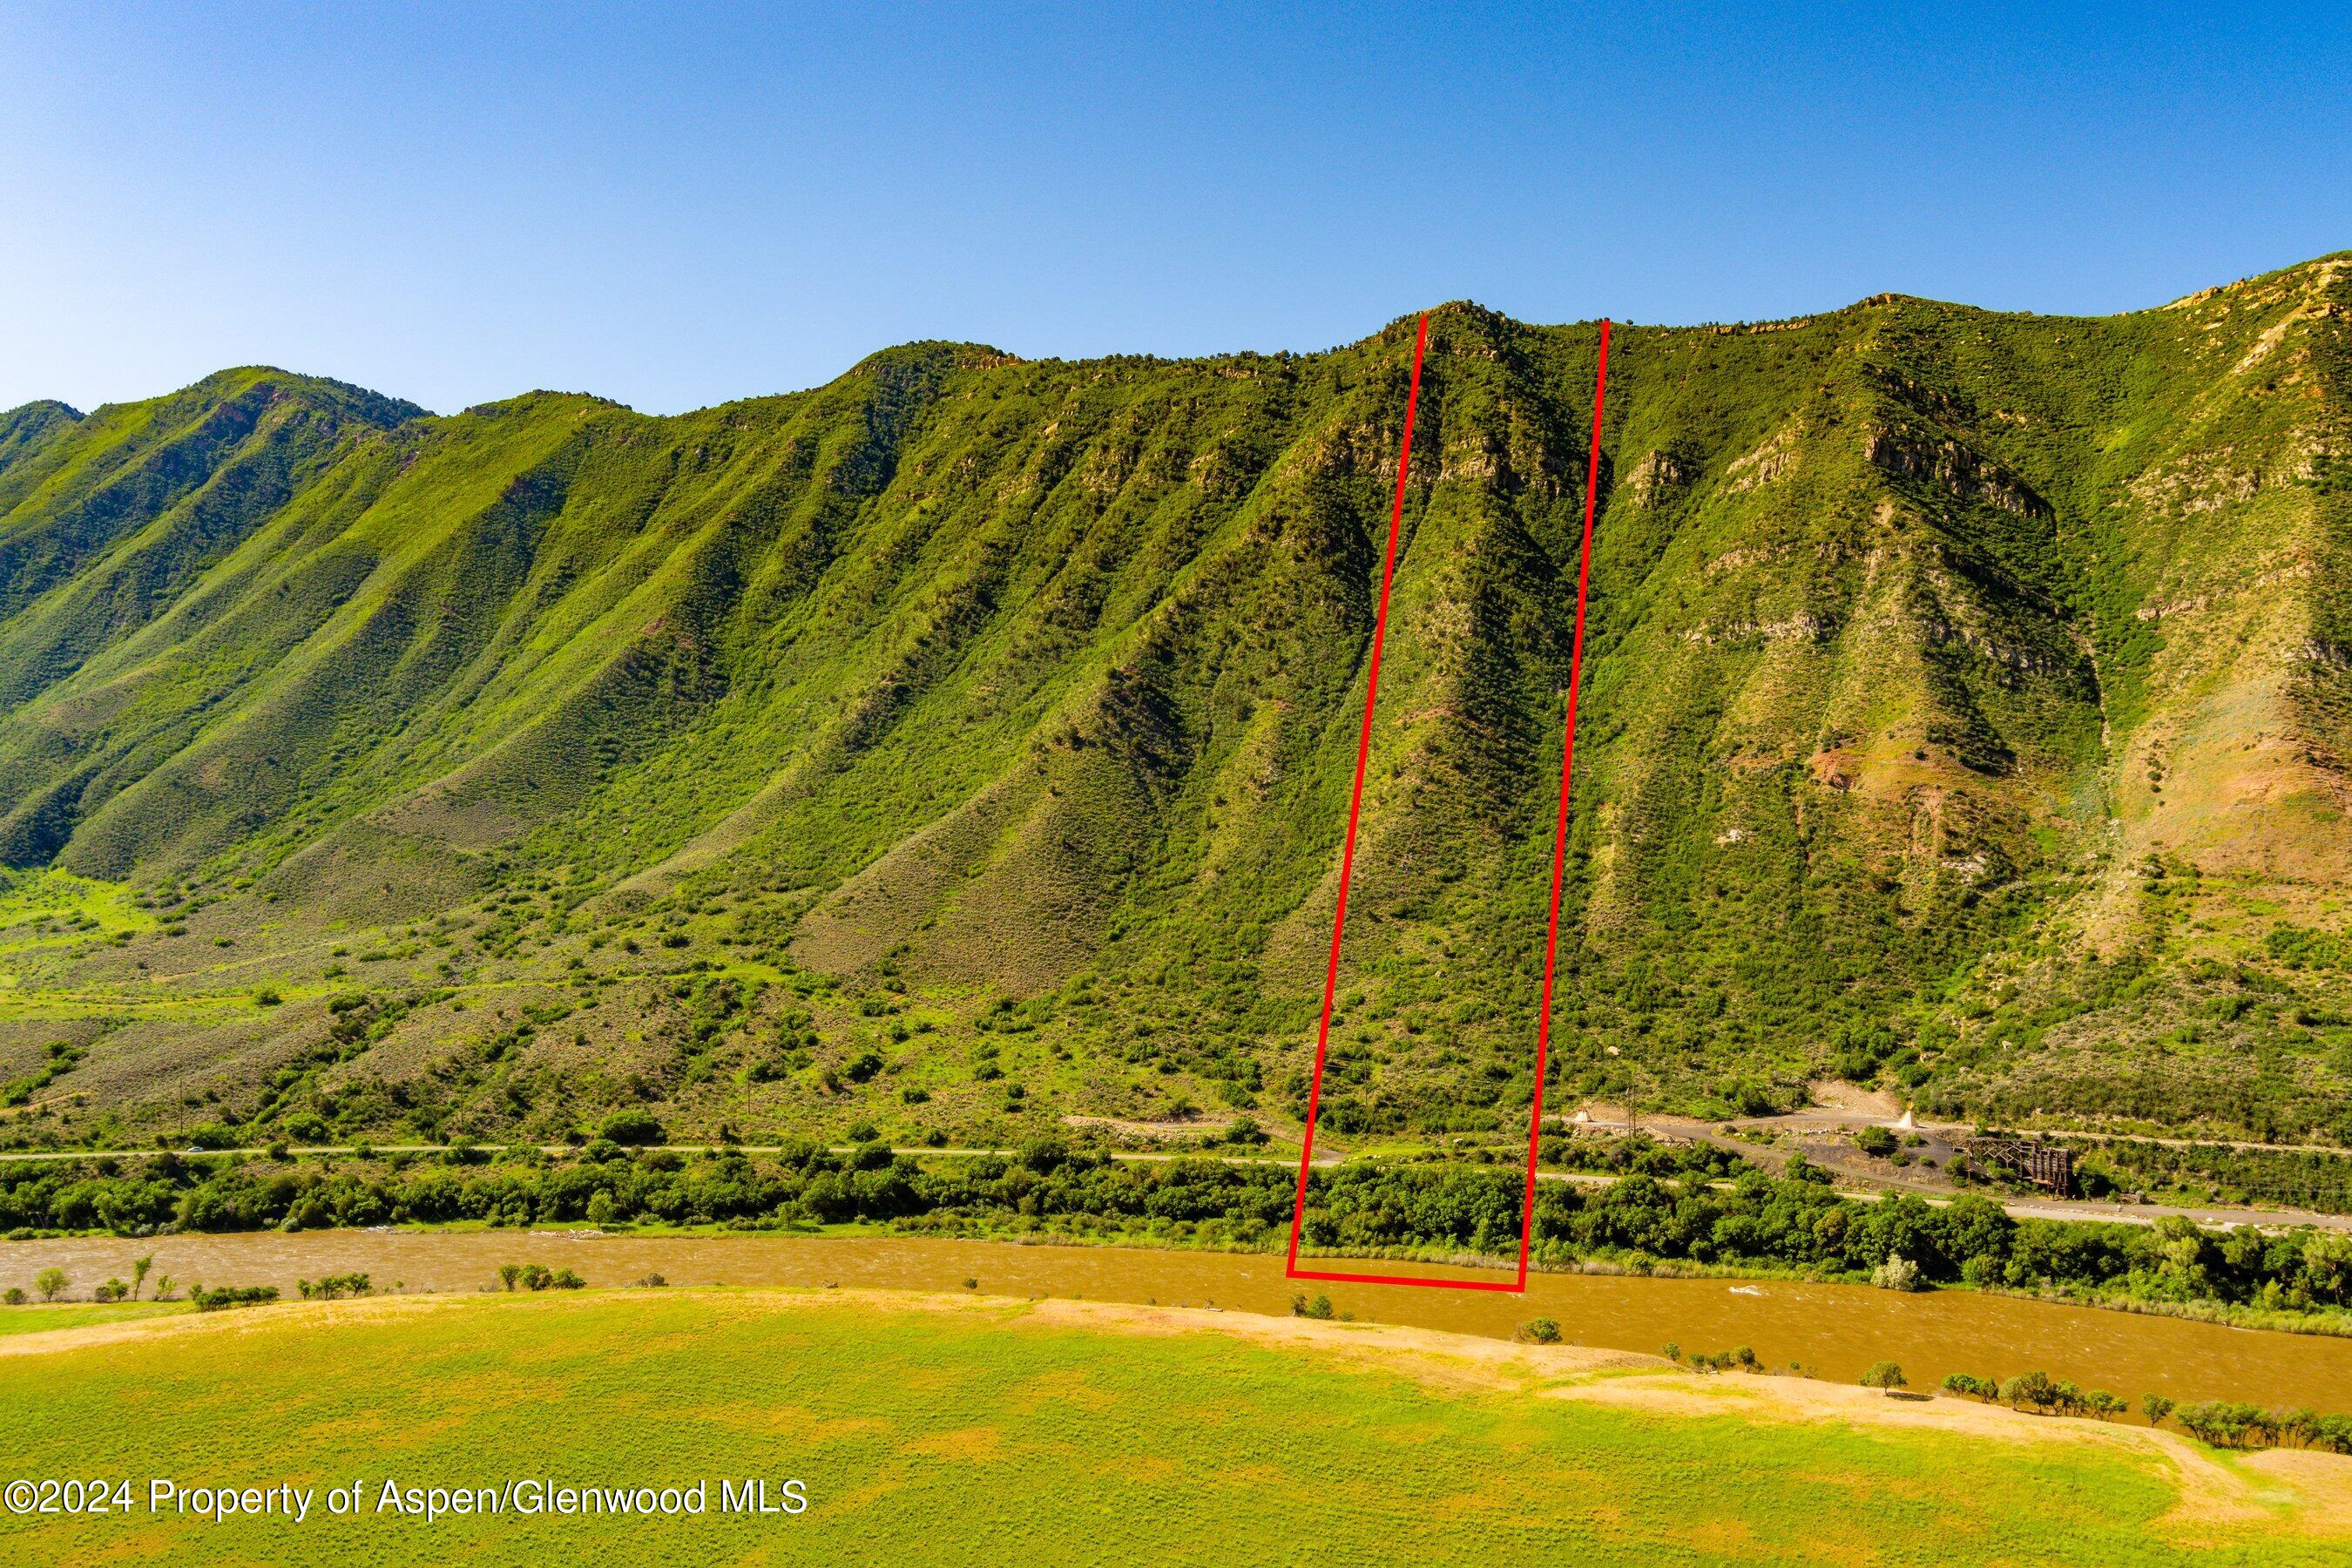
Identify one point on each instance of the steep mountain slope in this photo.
(1969, 702)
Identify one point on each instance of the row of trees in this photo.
(51, 1283)
(1795, 1223)
(2039, 1391)
(2225, 1423)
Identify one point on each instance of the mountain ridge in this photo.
(1949, 675)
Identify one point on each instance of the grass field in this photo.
(31, 1320)
(927, 1429)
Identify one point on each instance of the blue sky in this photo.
(674, 206)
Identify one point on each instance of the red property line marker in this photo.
(1348, 852)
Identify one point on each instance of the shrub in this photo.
(229, 1296)
(2033, 1388)
(1320, 1308)
(1885, 1374)
(632, 1127)
(1898, 1273)
(2224, 1423)
(1876, 1141)
(13, 1297)
(1539, 1330)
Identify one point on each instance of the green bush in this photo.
(229, 1296)
(631, 1128)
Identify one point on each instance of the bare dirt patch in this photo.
(1835, 1094)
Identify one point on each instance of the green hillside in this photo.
(966, 744)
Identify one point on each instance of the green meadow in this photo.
(34, 1320)
(998, 1431)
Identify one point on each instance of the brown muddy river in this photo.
(1832, 1331)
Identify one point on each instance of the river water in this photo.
(1832, 1331)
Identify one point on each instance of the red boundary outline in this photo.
(1348, 852)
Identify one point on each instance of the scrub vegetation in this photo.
(965, 743)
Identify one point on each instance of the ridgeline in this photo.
(966, 742)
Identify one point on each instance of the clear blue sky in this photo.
(674, 206)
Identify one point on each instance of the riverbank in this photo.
(930, 1426)
(2140, 1213)
(1796, 1226)
(1467, 1265)
(1834, 1331)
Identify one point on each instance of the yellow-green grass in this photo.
(35, 1318)
(96, 908)
(990, 1431)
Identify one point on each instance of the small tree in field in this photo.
(50, 1282)
(2156, 1407)
(139, 1271)
(1885, 1374)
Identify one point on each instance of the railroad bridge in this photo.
(2049, 1167)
